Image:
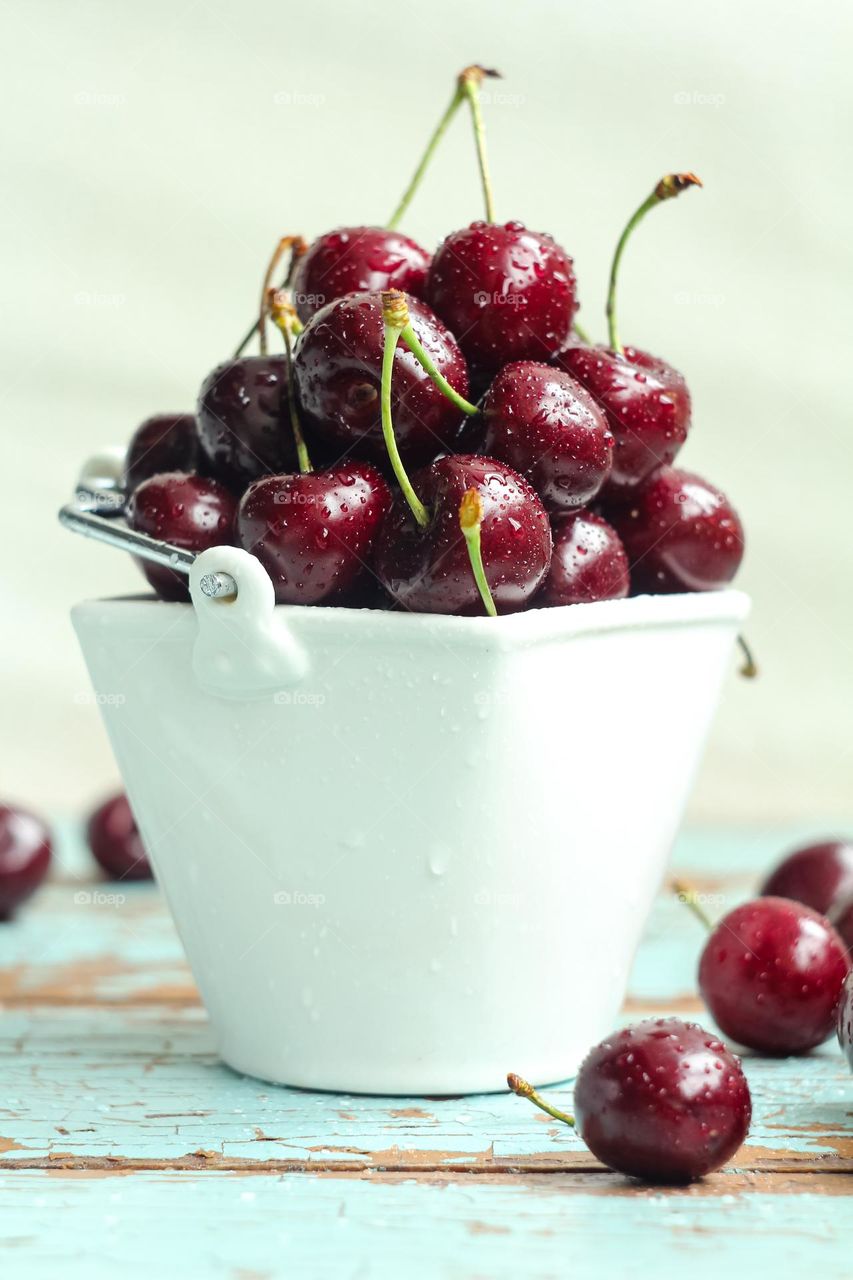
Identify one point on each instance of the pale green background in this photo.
(153, 152)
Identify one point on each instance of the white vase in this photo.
(407, 853)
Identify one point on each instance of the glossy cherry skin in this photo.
(589, 562)
(506, 292)
(662, 1100)
(25, 853)
(190, 511)
(243, 420)
(165, 442)
(429, 571)
(314, 533)
(820, 875)
(355, 260)
(845, 1020)
(544, 424)
(771, 974)
(647, 405)
(115, 841)
(337, 373)
(680, 533)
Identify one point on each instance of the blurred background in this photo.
(153, 154)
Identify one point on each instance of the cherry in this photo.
(680, 533)
(771, 973)
(845, 1020)
(355, 260)
(165, 442)
(589, 562)
(314, 533)
(337, 377)
(547, 427)
(427, 569)
(187, 510)
(25, 852)
(820, 875)
(506, 292)
(646, 400)
(116, 844)
(242, 419)
(662, 1100)
(840, 916)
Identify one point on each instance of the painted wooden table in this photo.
(128, 1150)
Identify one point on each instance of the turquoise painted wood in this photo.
(115, 1110)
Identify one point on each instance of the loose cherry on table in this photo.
(164, 442)
(646, 401)
(357, 260)
(771, 974)
(680, 534)
(820, 875)
(337, 372)
(114, 839)
(546, 426)
(662, 1100)
(25, 853)
(190, 511)
(589, 562)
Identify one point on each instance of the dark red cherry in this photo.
(165, 442)
(506, 292)
(845, 1020)
(337, 372)
(355, 260)
(840, 916)
(820, 875)
(662, 1100)
(646, 402)
(115, 841)
(680, 533)
(243, 422)
(190, 511)
(314, 533)
(771, 974)
(544, 424)
(428, 570)
(589, 562)
(25, 852)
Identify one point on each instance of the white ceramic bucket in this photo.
(407, 853)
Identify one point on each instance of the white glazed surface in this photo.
(407, 853)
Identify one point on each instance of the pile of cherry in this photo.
(663, 1100)
(437, 433)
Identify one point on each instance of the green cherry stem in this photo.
(671, 185)
(414, 344)
(297, 247)
(749, 670)
(395, 316)
(283, 316)
(690, 898)
(470, 522)
(438, 133)
(469, 82)
(582, 333)
(525, 1090)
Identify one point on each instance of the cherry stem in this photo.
(438, 133)
(395, 315)
(690, 898)
(414, 344)
(582, 333)
(749, 670)
(525, 1090)
(469, 83)
(670, 185)
(297, 247)
(283, 316)
(471, 522)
